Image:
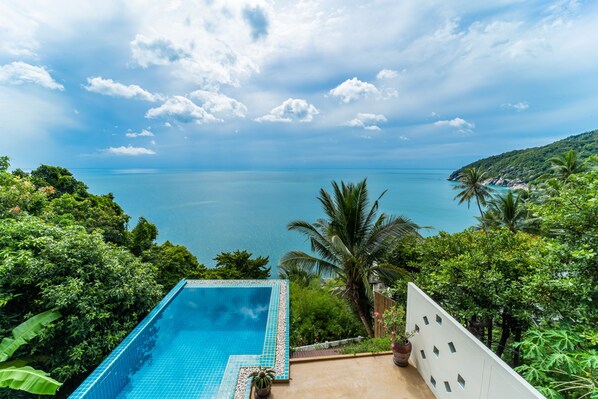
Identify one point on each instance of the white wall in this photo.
(456, 360)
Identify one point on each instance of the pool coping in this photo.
(245, 364)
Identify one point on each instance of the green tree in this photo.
(349, 243)
(4, 163)
(92, 212)
(471, 184)
(502, 283)
(19, 196)
(567, 164)
(101, 290)
(508, 210)
(173, 262)
(16, 374)
(570, 216)
(239, 265)
(20, 173)
(143, 236)
(61, 179)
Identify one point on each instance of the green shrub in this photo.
(319, 316)
(370, 345)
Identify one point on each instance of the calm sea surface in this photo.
(212, 212)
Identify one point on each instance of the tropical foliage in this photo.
(562, 362)
(508, 209)
(349, 242)
(471, 186)
(566, 165)
(101, 290)
(239, 265)
(15, 373)
(318, 316)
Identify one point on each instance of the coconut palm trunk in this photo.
(477, 199)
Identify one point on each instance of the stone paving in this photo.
(354, 377)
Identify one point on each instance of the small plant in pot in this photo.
(261, 381)
(396, 328)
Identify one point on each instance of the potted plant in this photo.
(261, 381)
(394, 322)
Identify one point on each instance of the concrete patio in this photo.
(352, 377)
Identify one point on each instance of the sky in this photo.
(236, 84)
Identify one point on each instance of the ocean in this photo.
(211, 212)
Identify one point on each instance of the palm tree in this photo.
(297, 274)
(472, 186)
(567, 164)
(349, 243)
(507, 209)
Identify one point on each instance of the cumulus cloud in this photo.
(367, 121)
(460, 124)
(18, 73)
(144, 133)
(291, 110)
(157, 51)
(387, 74)
(129, 151)
(219, 104)
(257, 20)
(108, 87)
(520, 106)
(354, 89)
(456, 122)
(182, 110)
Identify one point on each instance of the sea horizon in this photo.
(224, 210)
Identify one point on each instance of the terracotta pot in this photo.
(401, 353)
(263, 393)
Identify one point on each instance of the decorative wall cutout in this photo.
(486, 373)
(452, 347)
(461, 381)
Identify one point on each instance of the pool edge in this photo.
(104, 367)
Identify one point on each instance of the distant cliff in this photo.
(517, 168)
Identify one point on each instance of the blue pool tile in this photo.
(197, 342)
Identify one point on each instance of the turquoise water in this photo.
(189, 351)
(212, 212)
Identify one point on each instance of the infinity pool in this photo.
(194, 344)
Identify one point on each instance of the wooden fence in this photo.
(381, 303)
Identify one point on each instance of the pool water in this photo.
(197, 333)
(184, 351)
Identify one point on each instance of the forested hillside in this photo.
(527, 165)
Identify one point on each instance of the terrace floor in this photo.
(352, 377)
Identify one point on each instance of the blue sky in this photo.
(238, 84)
